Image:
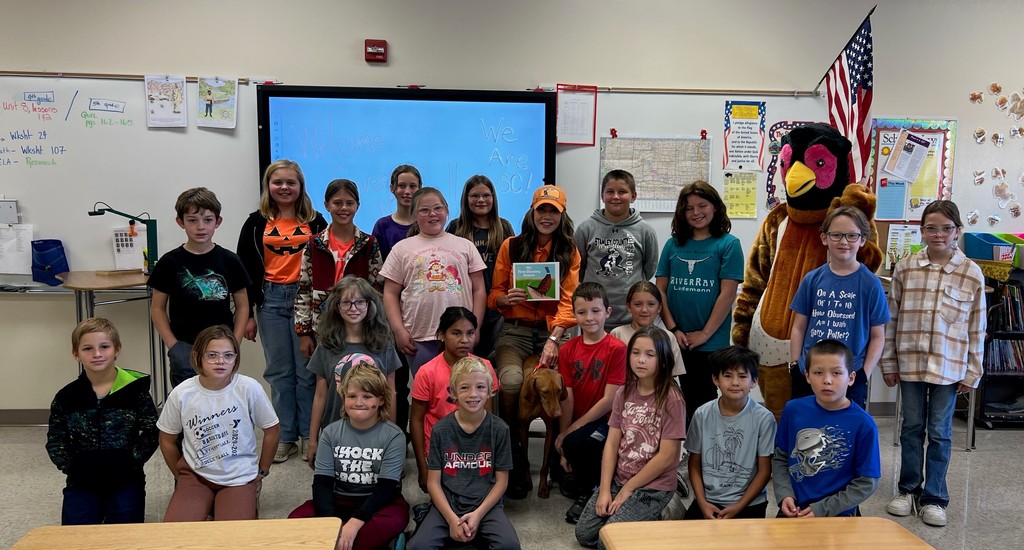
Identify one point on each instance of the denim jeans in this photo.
(122, 504)
(291, 385)
(926, 407)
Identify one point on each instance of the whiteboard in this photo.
(68, 143)
(134, 169)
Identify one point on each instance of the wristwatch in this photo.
(794, 366)
(263, 473)
(675, 329)
(553, 339)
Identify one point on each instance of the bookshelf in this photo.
(1001, 393)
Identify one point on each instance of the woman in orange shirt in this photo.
(532, 327)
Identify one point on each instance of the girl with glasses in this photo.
(340, 249)
(427, 273)
(479, 223)
(841, 300)
(352, 324)
(219, 466)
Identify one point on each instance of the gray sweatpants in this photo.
(642, 505)
(494, 533)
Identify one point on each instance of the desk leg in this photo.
(90, 304)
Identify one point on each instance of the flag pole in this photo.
(868, 16)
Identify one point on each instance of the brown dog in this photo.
(542, 395)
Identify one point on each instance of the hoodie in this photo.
(617, 255)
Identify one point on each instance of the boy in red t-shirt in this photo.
(593, 366)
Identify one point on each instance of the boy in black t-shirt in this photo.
(193, 284)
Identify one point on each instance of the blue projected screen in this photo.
(361, 134)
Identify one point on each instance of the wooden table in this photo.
(304, 534)
(744, 534)
(87, 283)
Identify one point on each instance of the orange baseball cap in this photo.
(549, 194)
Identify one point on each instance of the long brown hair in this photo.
(498, 229)
(720, 223)
(304, 211)
(663, 376)
(562, 243)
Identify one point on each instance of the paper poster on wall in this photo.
(659, 165)
(577, 114)
(901, 241)
(166, 104)
(129, 246)
(218, 98)
(744, 135)
(16, 248)
(740, 194)
(901, 148)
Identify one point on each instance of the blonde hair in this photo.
(466, 366)
(304, 211)
(91, 325)
(369, 379)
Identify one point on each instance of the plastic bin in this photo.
(1018, 247)
(986, 246)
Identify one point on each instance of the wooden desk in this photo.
(87, 283)
(744, 534)
(304, 534)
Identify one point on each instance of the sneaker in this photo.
(903, 504)
(285, 450)
(304, 448)
(572, 515)
(567, 486)
(934, 515)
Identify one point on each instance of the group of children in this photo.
(347, 316)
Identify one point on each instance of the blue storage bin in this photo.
(985, 246)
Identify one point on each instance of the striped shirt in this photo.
(937, 332)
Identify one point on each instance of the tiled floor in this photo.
(986, 485)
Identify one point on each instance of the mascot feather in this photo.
(814, 163)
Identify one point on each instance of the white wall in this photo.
(928, 56)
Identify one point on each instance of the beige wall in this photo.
(929, 55)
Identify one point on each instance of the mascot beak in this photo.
(799, 179)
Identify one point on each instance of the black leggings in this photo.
(697, 386)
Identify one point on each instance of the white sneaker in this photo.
(934, 515)
(285, 450)
(901, 505)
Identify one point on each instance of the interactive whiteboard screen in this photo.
(362, 133)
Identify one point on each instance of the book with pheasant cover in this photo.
(540, 280)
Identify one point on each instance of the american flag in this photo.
(849, 85)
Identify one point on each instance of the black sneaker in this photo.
(572, 515)
(567, 486)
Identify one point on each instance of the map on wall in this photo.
(661, 167)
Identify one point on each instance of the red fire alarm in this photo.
(376, 51)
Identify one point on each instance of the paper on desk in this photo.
(128, 248)
(16, 248)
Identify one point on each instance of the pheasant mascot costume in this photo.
(814, 163)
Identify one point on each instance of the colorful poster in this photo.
(218, 98)
(744, 135)
(920, 173)
(741, 194)
(166, 105)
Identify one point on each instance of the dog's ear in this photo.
(565, 393)
(529, 391)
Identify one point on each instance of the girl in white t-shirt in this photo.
(426, 274)
(216, 413)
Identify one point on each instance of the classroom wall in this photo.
(929, 55)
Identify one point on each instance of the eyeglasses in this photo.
(353, 304)
(214, 357)
(439, 209)
(939, 230)
(848, 237)
(481, 196)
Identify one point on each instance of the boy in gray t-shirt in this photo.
(467, 468)
(731, 442)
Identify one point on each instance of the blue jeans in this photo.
(291, 385)
(180, 356)
(123, 504)
(926, 407)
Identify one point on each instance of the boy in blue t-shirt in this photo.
(826, 459)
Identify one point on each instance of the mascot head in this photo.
(814, 163)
